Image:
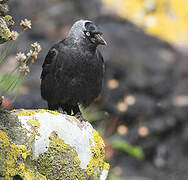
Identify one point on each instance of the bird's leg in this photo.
(52, 107)
(60, 110)
(66, 109)
(77, 113)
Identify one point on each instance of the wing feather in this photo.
(48, 62)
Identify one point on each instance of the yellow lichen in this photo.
(106, 166)
(9, 21)
(34, 122)
(12, 159)
(34, 126)
(166, 19)
(53, 112)
(42, 111)
(60, 161)
(97, 160)
(23, 112)
(3, 1)
(29, 175)
(50, 111)
(4, 30)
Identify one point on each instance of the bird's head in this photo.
(87, 30)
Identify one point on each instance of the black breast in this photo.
(86, 82)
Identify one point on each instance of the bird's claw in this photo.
(80, 117)
(61, 111)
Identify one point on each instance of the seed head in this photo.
(14, 35)
(36, 46)
(32, 54)
(24, 69)
(20, 57)
(26, 24)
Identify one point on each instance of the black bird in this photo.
(73, 69)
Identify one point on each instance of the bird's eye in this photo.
(88, 34)
(90, 27)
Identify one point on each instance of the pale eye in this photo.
(88, 34)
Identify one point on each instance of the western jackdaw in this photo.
(73, 69)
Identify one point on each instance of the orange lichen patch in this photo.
(122, 129)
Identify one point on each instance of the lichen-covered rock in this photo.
(5, 22)
(3, 1)
(3, 9)
(43, 144)
(9, 21)
(4, 31)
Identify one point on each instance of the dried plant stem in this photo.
(7, 49)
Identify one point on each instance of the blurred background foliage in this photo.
(142, 112)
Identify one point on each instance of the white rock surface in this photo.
(74, 133)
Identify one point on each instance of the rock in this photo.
(4, 31)
(46, 144)
(3, 1)
(160, 160)
(1, 100)
(137, 71)
(5, 22)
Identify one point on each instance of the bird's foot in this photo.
(61, 111)
(80, 117)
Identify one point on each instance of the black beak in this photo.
(100, 39)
